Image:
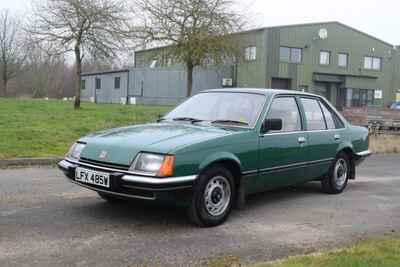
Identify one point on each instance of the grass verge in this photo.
(384, 252)
(38, 128)
(384, 143)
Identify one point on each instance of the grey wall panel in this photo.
(167, 86)
(107, 93)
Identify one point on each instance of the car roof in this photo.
(266, 91)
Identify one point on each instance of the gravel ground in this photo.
(47, 221)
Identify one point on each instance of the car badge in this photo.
(103, 155)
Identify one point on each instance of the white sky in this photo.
(380, 18)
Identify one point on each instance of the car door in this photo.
(324, 135)
(282, 153)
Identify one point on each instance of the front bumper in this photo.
(128, 185)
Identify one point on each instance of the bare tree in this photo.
(195, 30)
(13, 49)
(80, 26)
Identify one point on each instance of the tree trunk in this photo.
(4, 81)
(189, 79)
(78, 61)
(4, 85)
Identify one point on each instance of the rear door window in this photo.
(332, 120)
(313, 113)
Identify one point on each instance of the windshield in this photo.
(223, 107)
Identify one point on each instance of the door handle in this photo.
(337, 137)
(301, 140)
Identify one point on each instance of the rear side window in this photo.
(332, 120)
(286, 109)
(314, 117)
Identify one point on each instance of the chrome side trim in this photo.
(295, 165)
(364, 153)
(158, 181)
(112, 193)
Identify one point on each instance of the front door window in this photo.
(285, 108)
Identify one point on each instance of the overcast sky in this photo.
(380, 18)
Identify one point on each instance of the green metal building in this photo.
(347, 66)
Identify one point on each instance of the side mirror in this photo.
(272, 125)
(160, 117)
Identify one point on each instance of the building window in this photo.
(360, 97)
(343, 59)
(250, 53)
(284, 54)
(324, 57)
(290, 54)
(117, 82)
(83, 84)
(169, 62)
(98, 83)
(372, 63)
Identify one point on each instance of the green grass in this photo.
(372, 253)
(38, 128)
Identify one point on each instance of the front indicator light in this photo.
(167, 167)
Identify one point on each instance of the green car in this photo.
(219, 146)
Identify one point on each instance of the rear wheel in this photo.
(338, 176)
(213, 196)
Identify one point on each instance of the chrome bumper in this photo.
(365, 153)
(361, 156)
(66, 164)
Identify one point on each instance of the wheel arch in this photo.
(231, 161)
(233, 164)
(348, 150)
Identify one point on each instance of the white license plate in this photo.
(92, 177)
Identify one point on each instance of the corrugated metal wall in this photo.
(107, 92)
(167, 86)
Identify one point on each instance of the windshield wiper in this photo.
(231, 121)
(192, 120)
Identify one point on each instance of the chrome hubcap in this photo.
(340, 173)
(217, 195)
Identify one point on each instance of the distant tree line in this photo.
(44, 54)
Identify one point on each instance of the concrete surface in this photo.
(47, 221)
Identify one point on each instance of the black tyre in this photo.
(213, 197)
(109, 198)
(338, 176)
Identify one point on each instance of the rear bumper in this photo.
(361, 156)
(128, 185)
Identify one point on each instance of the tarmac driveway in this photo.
(47, 221)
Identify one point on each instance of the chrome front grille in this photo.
(104, 164)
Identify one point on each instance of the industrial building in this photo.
(347, 66)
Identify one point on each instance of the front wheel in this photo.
(338, 176)
(213, 196)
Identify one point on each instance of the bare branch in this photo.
(86, 27)
(193, 30)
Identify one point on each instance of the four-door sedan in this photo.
(219, 146)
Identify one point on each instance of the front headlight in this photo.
(153, 164)
(76, 150)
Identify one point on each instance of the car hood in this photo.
(123, 144)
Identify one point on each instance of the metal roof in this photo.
(104, 72)
(289, 26)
